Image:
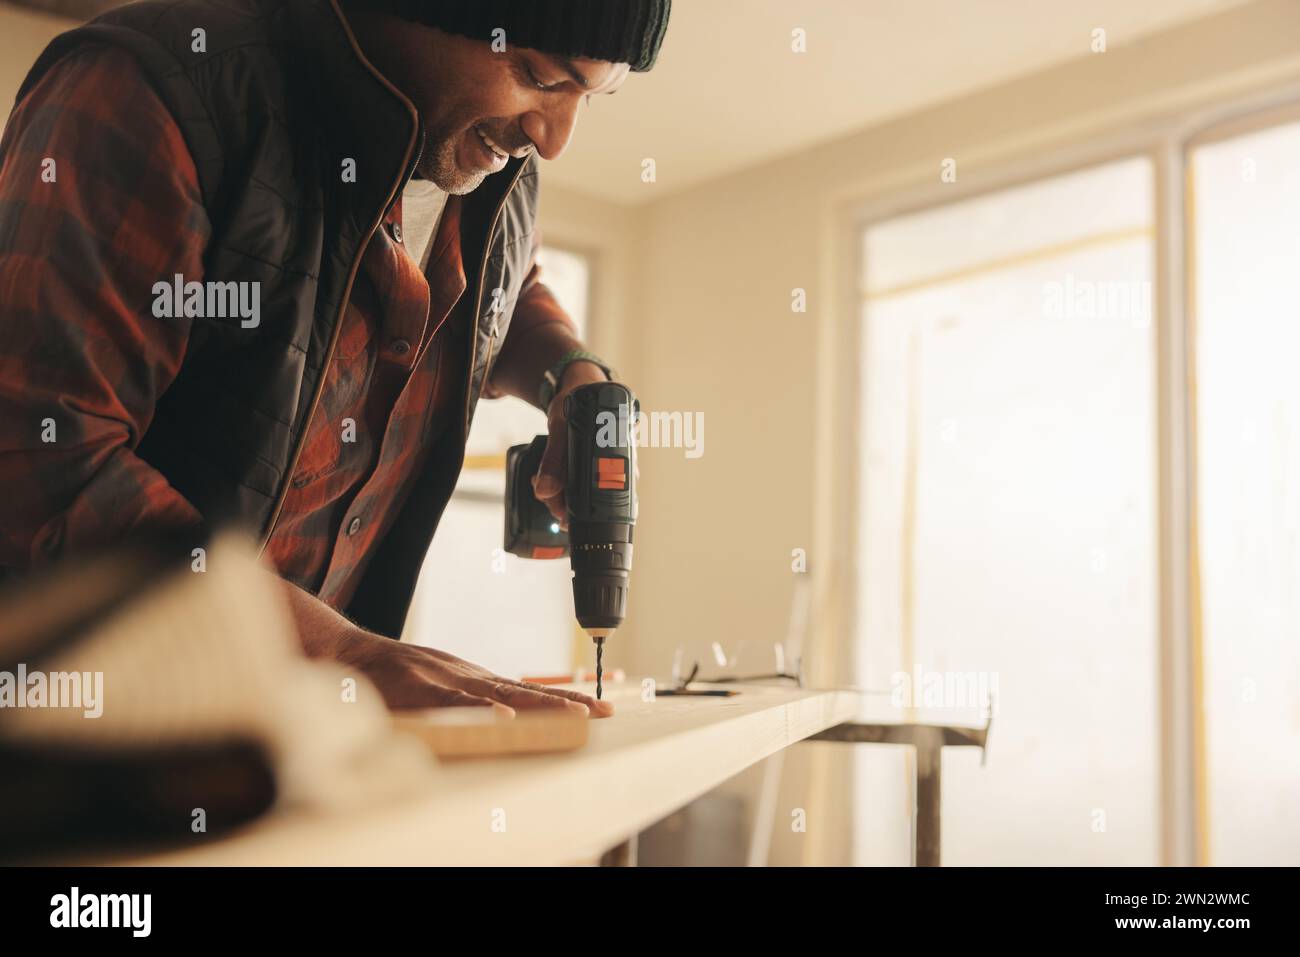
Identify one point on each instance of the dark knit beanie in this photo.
(619, 31)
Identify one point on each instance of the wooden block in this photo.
(481, 732)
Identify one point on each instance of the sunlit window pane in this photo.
(1247, 291)
(1007, 537)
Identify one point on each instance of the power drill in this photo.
(601, 502)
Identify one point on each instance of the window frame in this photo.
(1183, 810)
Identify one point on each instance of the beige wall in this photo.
(23, 34)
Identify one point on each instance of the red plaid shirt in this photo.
(82, 358)
(391, 389)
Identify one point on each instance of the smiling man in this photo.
(370, 172)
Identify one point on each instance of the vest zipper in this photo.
(478, 302)
(416, 134)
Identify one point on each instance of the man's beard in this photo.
(438, 163)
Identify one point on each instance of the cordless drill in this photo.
(601, 501)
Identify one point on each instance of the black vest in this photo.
(270, 111)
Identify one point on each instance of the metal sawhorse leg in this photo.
(929, 740)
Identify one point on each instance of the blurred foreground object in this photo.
(159, 693)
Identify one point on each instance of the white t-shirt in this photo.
(422, 206)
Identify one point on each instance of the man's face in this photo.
(467, 95)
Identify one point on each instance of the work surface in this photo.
(646, 761)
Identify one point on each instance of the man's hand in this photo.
(552, 474)
(411, 676)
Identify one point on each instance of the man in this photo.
(258, 259)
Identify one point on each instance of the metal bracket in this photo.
(929, 740)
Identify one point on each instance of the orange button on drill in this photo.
(611, 473)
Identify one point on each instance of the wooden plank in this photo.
(461, 733)
(646, 761)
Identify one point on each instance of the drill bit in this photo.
(600, 669)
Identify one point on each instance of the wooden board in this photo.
(638, 767)
(456, 733)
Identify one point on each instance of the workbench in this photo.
(639, 766)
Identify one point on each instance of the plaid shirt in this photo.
(83, 360)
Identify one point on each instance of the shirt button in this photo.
(397, 231)
(401, 346)
(354, 526)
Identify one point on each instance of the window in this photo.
(510, 615)
(1007, 544)
(1245, 199)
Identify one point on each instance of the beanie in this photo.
(619, 31)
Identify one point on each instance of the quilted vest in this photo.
(271, 109)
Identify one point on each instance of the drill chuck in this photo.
(601, 568)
